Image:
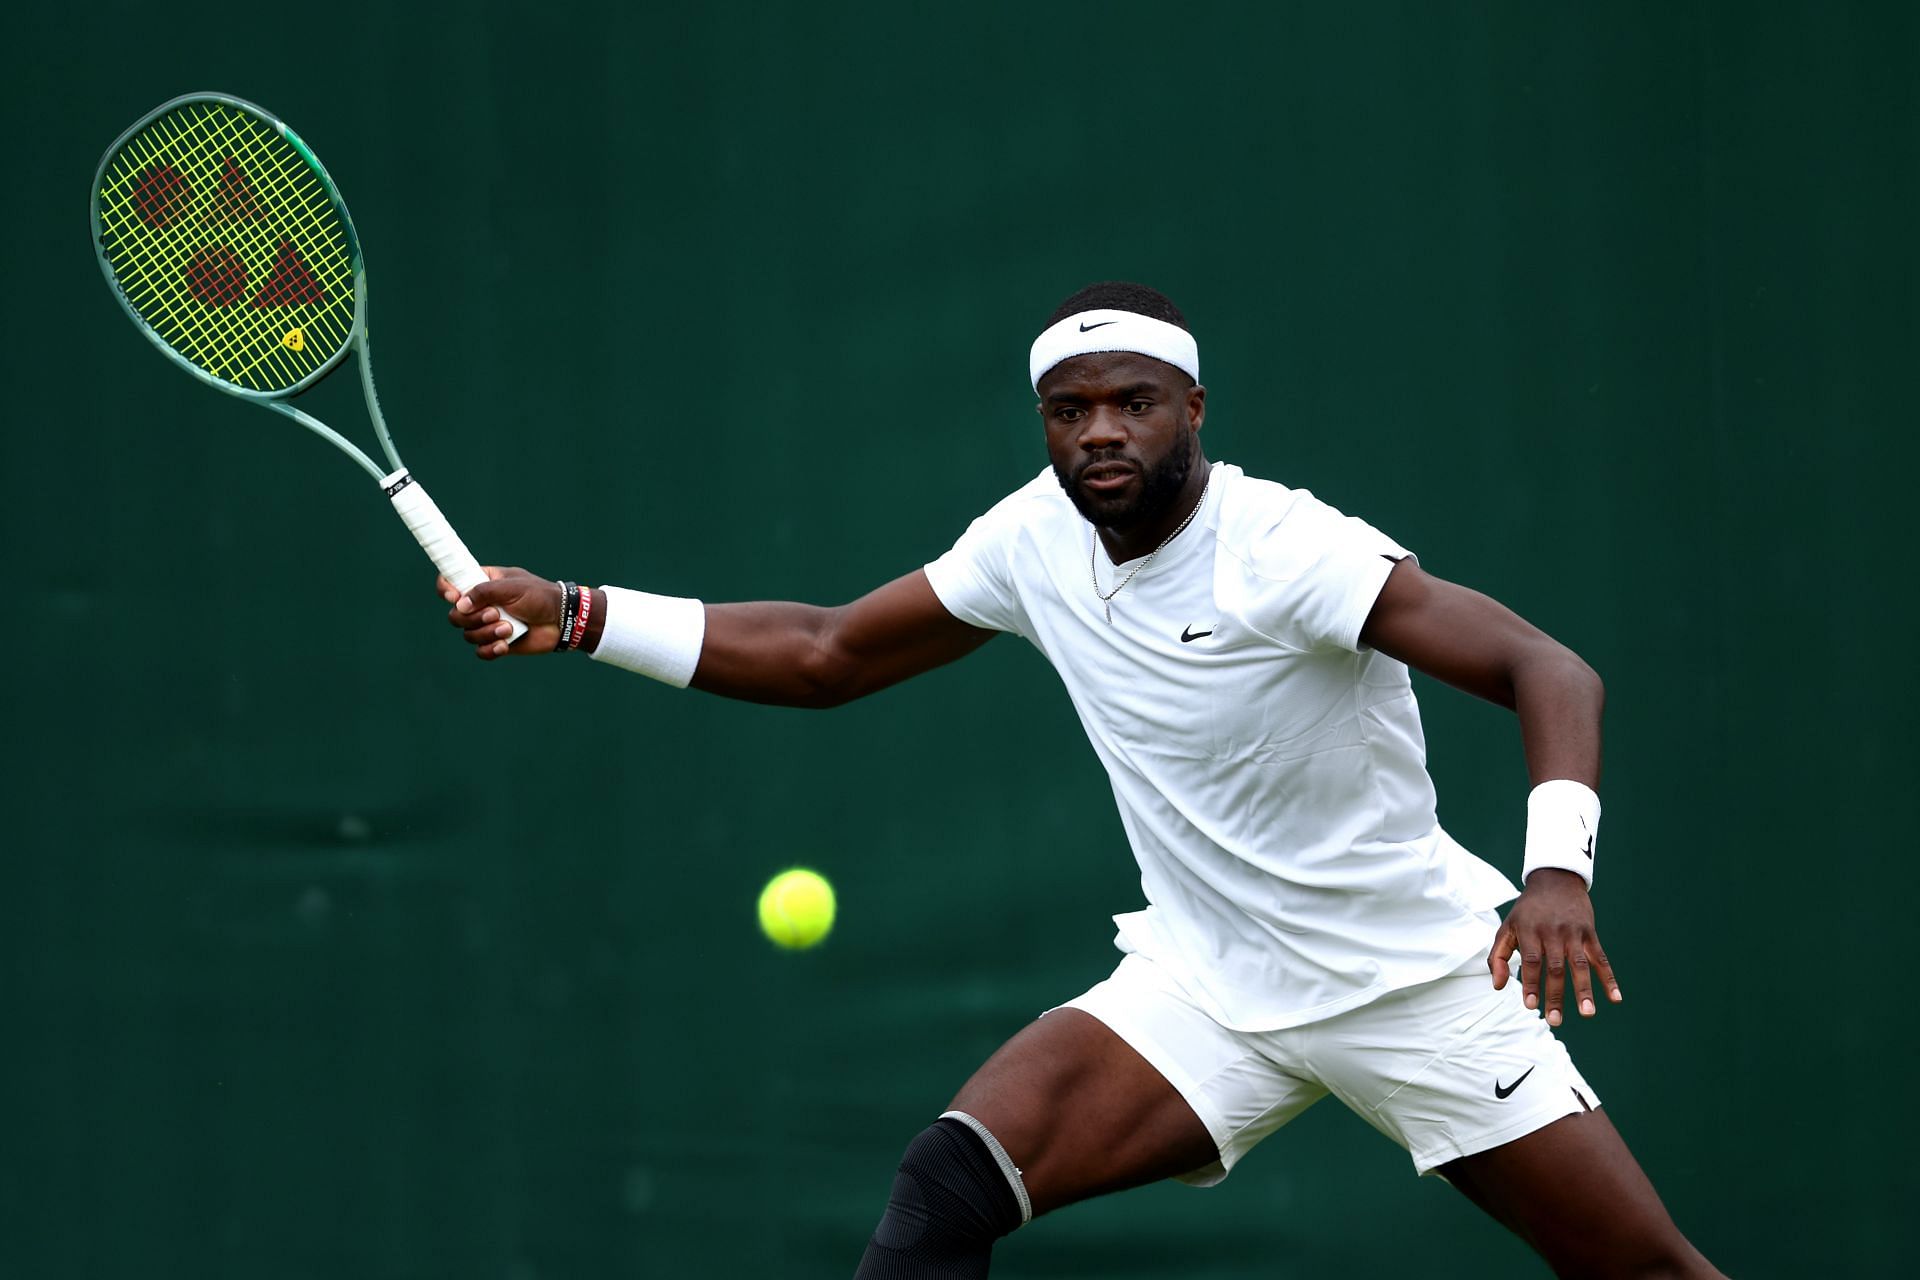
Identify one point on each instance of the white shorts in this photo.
(1446, 1069)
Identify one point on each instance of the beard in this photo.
(1160, 486)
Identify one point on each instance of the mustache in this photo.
(1108, 459)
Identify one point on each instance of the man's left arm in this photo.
(1477, 644)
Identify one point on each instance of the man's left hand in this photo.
(1551, 926)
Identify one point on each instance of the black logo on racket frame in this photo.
(406, 478)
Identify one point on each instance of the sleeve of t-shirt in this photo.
(1327, 571)
(975, 581)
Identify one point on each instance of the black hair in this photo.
(1119, 295)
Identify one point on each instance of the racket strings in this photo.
(215, 277)
(227, 244)
(198, 322)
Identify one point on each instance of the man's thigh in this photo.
(1575, 1193)
(1128, 1084)
(1478, 1089)
(1082, 1114)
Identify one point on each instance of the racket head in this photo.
(228, 245)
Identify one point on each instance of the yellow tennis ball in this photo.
(796, 908)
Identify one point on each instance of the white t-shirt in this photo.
(1270, 772)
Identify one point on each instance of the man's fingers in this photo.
(1500, 957)
(452, 594)
(1607, 981)
(1582, 981)
(1559, 952)
(490, 642)
(1554, 981)
(482, 610)
(489, 632)
(477, 602)
(501, 592)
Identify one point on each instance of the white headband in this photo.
(1106, 330)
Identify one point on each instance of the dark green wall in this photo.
(327, 952)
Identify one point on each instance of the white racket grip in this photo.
(437, 538)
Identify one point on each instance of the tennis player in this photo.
(1238, 653)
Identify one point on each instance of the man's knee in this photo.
(955, 1194)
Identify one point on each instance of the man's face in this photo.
(1120, 431)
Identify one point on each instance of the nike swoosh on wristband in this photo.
(1085, 328)
(1503, 1092)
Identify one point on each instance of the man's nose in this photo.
(1103, 428)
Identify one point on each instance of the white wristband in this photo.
(657, 636)
(1563, 819)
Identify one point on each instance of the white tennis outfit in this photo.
(1271, 776)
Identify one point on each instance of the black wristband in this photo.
(569, 606)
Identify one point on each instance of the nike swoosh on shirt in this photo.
(1502, 1092)
(1188, 635)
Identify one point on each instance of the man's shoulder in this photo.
(1037, 514)
(1252, 511)
(1249, 501)
(1275, 530)
(1038, 501)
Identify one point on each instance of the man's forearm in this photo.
(769, 651)
(795, 655)
(1559, 700)
(776, 652)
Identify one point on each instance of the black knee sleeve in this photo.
(952, 1199)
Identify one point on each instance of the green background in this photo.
(326, 951)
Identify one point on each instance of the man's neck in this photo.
(1145, 538)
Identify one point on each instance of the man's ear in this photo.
(1196, 405)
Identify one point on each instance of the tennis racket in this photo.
(229, 246)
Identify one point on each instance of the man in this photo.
(1238, 653)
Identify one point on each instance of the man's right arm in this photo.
(777, 652)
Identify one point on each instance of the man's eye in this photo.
(1067, 415)
(1139, 406)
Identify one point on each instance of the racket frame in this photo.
(416, 509)
(356, 338)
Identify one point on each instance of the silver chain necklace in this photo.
(1093, 554)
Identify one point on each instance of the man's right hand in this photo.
(535, 601)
